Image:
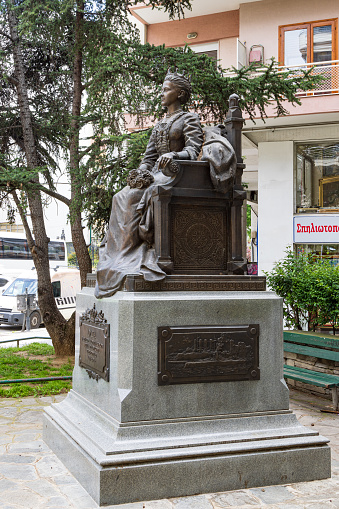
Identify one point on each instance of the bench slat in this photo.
(311, 377)
(311, 338)
(312, 352)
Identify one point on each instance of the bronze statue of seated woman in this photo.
(128, 245)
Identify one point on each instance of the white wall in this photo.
(275, 200)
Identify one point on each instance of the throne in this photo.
(198, 232)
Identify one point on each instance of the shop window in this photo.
(321, 251)
(304, 43)
(317, 177)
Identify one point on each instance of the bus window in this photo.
(14, 248)
(56, 250)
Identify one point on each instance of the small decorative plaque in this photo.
(208, 354)
(94, 344)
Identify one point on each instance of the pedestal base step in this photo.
(126, 463)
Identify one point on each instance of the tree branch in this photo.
(30, 240)
(53, 194)
(90, 147)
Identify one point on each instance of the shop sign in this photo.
(316, 229)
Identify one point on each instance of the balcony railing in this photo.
(328, 70)
(327, 86)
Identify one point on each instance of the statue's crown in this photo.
(184, 75)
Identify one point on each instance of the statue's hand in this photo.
(166, 159)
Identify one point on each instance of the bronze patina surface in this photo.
(94, 344)
(208, 354)
(178, 214)
(191, 283)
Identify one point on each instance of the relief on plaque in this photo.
(208, 354)
(94, 344)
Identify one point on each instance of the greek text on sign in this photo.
(316, 229)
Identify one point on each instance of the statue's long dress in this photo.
(127, 247)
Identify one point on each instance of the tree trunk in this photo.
(84, 260)
(59, 329)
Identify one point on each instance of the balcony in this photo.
(328, 70)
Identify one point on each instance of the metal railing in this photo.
(327, 86)
(329, 70)
(2, 341)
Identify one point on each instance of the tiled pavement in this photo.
(31, 477)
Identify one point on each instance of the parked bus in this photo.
(15, 255)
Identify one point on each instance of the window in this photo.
(56, 285)
(56, 250)
(308, 42)
(20, 285)
(210, 49)
(18, 248)
(14, 248)
(317, 176)
(322, 251)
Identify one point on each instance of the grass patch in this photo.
(35, 360)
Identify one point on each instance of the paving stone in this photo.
(22, 472)
(5, 484)
(330, 430)
(32, 416)
(74, 491)
(43, 488)
(199, 502)
(58, 503)
(16, 458)
(233, 499)
(34, 446)
(23, 498)
(295, 505)
(84, 503)
(5, 439)
(27, 436)
(9, 412)
(314, 488)
(321, 505)
(273, 494)
(158, 504)
(64, 479)
(49, 466)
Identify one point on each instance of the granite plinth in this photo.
(130, 439)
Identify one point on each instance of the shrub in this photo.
(309, 288)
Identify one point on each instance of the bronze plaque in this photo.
(94, 344)
(197, 238)
(208, 354)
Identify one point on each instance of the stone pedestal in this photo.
(131, 439)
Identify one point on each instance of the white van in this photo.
(65, 283)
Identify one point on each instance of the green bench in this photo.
(313, 345)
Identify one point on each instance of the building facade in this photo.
(292, 162)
